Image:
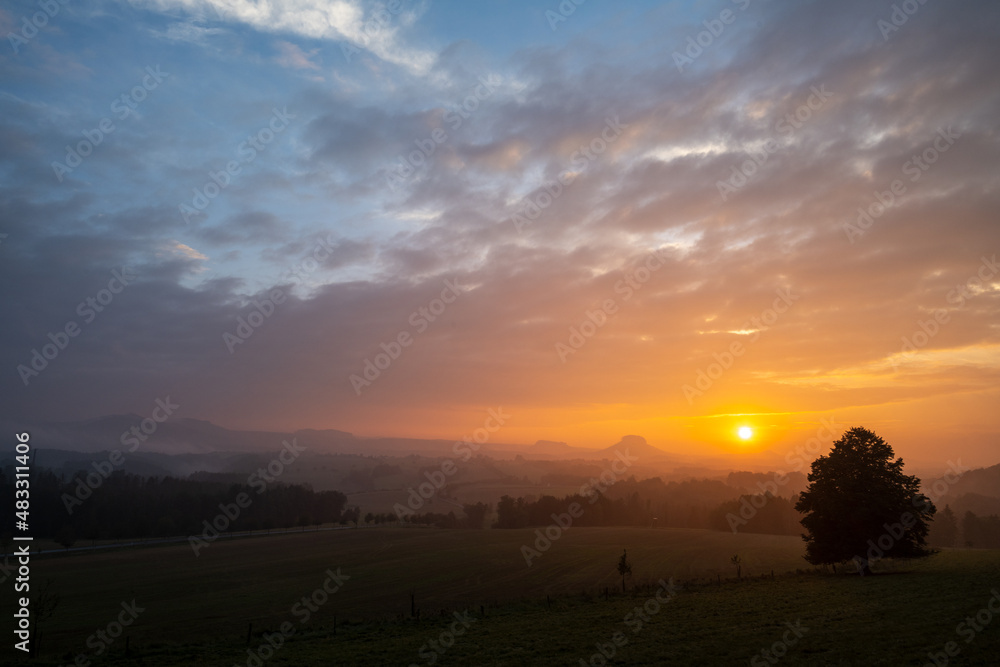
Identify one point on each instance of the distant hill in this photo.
(551, 447)
(149, 464)
(635, 446)
(977, 491)
(184, 435)
(550, 450)
(176, 435)
(981, 481)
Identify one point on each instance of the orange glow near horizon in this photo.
(710, 438)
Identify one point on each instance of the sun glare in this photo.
(745, 432)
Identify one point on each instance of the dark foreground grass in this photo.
(197, 609)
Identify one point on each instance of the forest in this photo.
(128, 506)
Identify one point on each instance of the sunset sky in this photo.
(520, 174)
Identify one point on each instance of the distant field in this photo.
(197, 609)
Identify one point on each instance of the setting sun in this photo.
(745, 432)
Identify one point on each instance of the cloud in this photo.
(185, 250)
(294, 57)
(373, 29)
(189, 32)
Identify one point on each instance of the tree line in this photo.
(128, 506)
(689, 504)
(133, 506)
(475, 517)
(768, 514)
(653, 502)
(971, 531)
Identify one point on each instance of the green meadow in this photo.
(566, 607)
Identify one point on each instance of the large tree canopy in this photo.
(860, 506)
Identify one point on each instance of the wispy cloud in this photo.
(289, 55)
(185, 250)
(189, 32)
(361, 25)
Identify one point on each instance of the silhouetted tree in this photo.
(981, 532)
(511, 513)
(737, 560)
(475, 514)
(969, 528)
(45, 606)
(860, 506)
(769, 514)
(944, 530)
(624, 567)
(351, 515)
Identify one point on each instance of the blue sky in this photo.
(224, 75)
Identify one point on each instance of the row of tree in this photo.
(649, 502)
(475, 516)
(125, 506)
(749, 513)
(972, 531)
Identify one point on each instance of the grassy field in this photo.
(196, 610)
